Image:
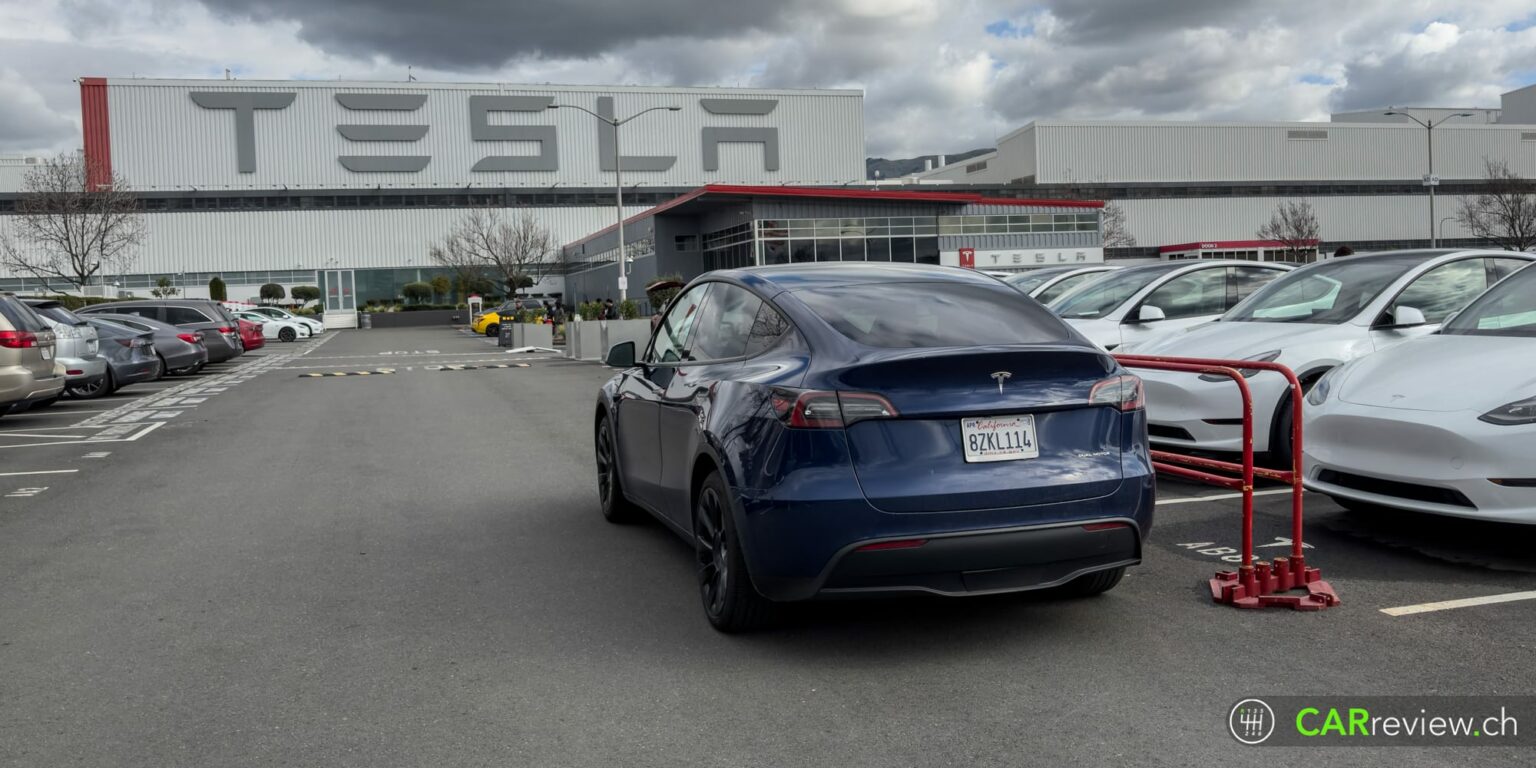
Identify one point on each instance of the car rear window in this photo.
(20, 316)
(59, 314)
(933, 314)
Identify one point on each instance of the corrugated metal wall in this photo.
(257, 240)
(1340, 219)
(1017, 155)
(1191, 152)
(162, 140)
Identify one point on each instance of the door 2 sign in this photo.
(483, 127)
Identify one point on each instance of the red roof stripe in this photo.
(841, 193)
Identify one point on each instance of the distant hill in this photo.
(890, 169)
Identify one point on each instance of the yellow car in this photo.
(490, 322)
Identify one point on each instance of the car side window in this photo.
(767, 327)
(183, 316)
(1202, 292)
(670, 342)
(1063, 285)
(725, 323)
(1242, 281)
(1444, 289)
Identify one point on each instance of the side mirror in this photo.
(1148, 314)
(621, 355)
(1406, 317)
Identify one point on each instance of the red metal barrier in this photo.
(1261, 584)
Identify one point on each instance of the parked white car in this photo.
(1393, 429)
(1046, 284)
(316, 327)
(1134, 304)
(271, 328)
(1312, 320)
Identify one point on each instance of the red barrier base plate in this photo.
(1263, 585)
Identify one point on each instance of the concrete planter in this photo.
(414, 319)
(584, 340)
(620, 331)
(533, 335)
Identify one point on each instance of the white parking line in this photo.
(39, 472)
(1220, 496)
(1466, 602)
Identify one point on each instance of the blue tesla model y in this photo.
(827, 430)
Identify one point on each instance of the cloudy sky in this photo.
(939, 75)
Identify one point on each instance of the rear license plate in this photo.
(999, 438)
(47, 352)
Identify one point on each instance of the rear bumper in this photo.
(90, 369)
(1181, 409)
(132, 373)
(20, 389)
(964, 553)
(985, 563)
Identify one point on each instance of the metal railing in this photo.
(1263, 583)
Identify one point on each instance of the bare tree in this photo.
(1293, 225)
(69, 227)
(1506, 213)
(1115, 233)
(484, 241)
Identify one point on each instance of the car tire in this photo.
(493, 330)
(731, 602)
(287, 334)
(93, 391)
(610, 491)
(1096, 583)
(1279, 454)
(164, 369)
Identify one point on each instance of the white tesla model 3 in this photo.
(1134, 304)
(1445, 424)
(1312, 320)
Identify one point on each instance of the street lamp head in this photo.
(674, 109)
(1389, 114)
(554, 106)
(1462, 114)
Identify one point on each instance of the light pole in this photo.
(1443, 220)
(618, 178)
(1429, 178)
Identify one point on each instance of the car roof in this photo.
(43, 303)
(788, 277)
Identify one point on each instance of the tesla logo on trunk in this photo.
(1000, 377)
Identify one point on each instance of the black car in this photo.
(221, 332)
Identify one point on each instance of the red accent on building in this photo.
(968, 258)
(841, 193)
(1226, 245)
(98, 135)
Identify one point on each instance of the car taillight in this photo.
(1123, 392)
(828, 410)
(18, 339)
(190, 338)
(124, 342)
(227, 329)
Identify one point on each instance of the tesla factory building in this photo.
(1364, 173)
(347, 184)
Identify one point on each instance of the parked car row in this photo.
(1422, 341)
(48, 351)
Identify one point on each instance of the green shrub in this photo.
(273, 292)
(661, 296)
(417, 292)
(305, 293)
(216, 289)
(628, 309)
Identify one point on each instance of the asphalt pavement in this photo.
(259, 566)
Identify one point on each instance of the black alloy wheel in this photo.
(610, 491)
(493, 330)
(287, 334)
(731, 602)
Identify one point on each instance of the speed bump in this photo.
(477, 367)
(334, 374)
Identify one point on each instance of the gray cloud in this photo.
(27, 122)
(1099, 22)
(483, 34)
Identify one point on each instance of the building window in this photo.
(685, 243)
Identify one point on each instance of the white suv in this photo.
(316, 327)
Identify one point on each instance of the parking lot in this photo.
(383, 548)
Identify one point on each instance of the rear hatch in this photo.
(917, 460)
